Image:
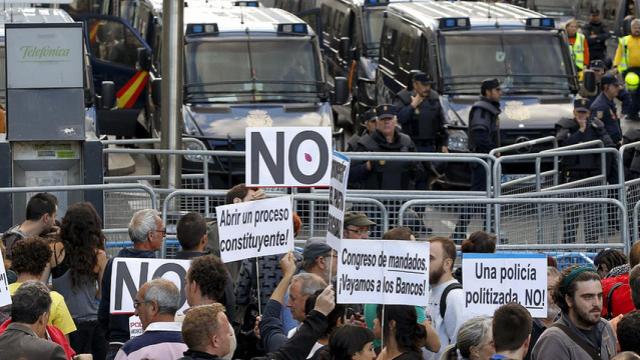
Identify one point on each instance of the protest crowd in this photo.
(62, 287)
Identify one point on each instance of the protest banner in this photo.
(129, 274)
(288, 156)
(255, 228)
(383, 272)
(337, 198)
(5, 296)
(491, 280)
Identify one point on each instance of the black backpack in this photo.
(443, 297)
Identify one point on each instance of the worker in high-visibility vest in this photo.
(579, 46)
(627, 61)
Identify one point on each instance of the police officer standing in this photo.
(604, 108)
(484, 136)
(369, 121)
(420, 115)
(573, 131)
(385, 175)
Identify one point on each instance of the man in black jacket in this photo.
(597, 35)
(484, 136)
(572, 131)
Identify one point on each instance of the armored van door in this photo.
(113, 47)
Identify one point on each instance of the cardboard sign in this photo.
(337, 198)
(288, 156)
(5, 296)
(129, 274)
(383, 272)
(491, 280)
(255, 228)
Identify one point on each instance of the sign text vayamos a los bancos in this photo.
(44, 56)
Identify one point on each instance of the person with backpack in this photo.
(616, 292)
(446, 300)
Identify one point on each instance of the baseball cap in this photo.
(581, 105)
(609, 79)
(313, 249)
(386, 111)
(422, 77)
(357, 218)
(597, 64)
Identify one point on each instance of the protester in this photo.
(634, 285)
(206, 281)
(335, 320)
(356, 225)
(402, 336)
(208, 334)
(446, 299)
(474, 341)
(511, 331)
(320, 259)
(553, 310)
(478, 242)
(580, 332)
(30, 257)
(191, 232)
(77, 271)
(39, 219)
(607, 260)
(628, 332)
(24, 337)
(399, 233)
(616, 288)
(146, 232)
(351, 342)
(156, 303)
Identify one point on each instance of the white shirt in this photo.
(454, 316)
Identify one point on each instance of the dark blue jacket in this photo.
(605, 110)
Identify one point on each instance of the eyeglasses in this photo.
(136, 303)
(163, 231)
(358, 231)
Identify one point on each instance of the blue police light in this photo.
(455, 24)
(247, 3)
(201, 29)
(376, 2)
(293, 28)
(541, 23)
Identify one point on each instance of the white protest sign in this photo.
(491, 280)
(255, 228)
(129, 274)
(288, 156)
(5, 296)
(337, 198)
(383, 272)
(135, 326)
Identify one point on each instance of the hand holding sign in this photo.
(288, 264)
(326, 301)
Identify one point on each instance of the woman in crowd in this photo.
(475, 341)
(351, 342)
(77, 269)
(402, 336)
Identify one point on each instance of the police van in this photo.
(461, 43)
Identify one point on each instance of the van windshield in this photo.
(373, 20)
(522, 61)
(554, 7)
(283, 69)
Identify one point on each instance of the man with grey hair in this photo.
(147, 233)
(156, 303)
(23, 338)
(302, 286)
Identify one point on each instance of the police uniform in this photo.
(605, 110)
(369, 115)
(624, 96)
(385, 175)
(576, 168)
(424, 124)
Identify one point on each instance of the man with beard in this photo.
(580, 332)
(446, 300)
(540, 325)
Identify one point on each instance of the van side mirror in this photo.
(341, 91)
(144, 59)
(108, 97)
(156, 91)
(345, 46)
(589, 81)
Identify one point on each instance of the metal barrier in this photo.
(524, 231)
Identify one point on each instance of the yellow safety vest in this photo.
(624, 61)
(577, 51)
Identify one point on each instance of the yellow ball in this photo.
(632, 80)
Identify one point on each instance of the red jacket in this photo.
(55, 335)
(621, 301)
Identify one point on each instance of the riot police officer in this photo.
(385, 175)
(369, 121)
(484, 136)
(420, 115)
(604, 108)
(572, 131)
